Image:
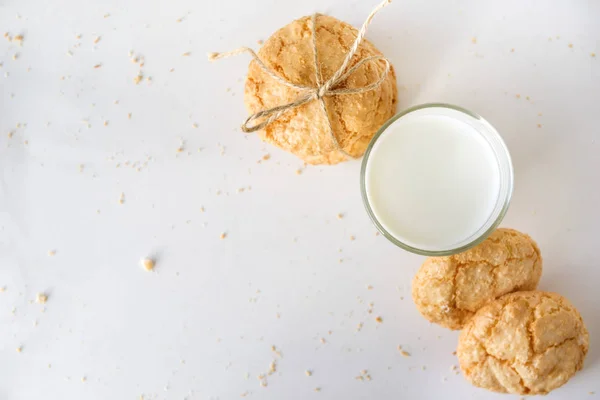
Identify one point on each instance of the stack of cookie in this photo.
(514, 339)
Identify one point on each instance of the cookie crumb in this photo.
(340, 216)
(266, 157)
(195, 125)
(83, 379)
(147, 264)
(474, 40)
(317, 389)
(592, 54)
(19, 39)
(570, 45)
(223, 236)
(97, 39)
(41, 298)
(369, 287)
(138, 78)
(298, 172)
(186, 54)
(259, 41)
(19, 349)
(539, 125)
(512, 50)
(308, 372)
(97, 66)
(51, 253)
(379, 320)
(323, 341)
(105, 123)
(122, 198)
(128, 115)
(405, 353)
(518, 96)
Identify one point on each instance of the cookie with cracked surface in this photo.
(523, 343)
(304, 131)
(449, 290)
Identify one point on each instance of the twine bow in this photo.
(323, 89)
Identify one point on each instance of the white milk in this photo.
(432, 180)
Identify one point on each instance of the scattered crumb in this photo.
(539, 125)
(201, 208)
(194, 125)
(122, 198)
(377, 233)
(19, 349)
(259, 41)
(527, 98)
(359, 326)
(352, 237)
(369, 287)
(41, 298)
(81, 166)
(186, 54)
(15, 56)
(474, 40)
(97, 39)
(78, 36)
(19, 39)
(128, 115)
(148, 264)
(340, 216)
(454, 353)
(405, 353)
(308, 372)
(570, 45)
(97, 65)
(2, 289)
(323, 341)
(298, 172)
(51, 253)
(512, 50)
(317, 389)
(223, 235)
(518, 96)
(592, 54)
(272, 367)
(10, 134)
(266, 157)
(83, 379)
(539, 114)
(379, 320)
(138, 78)
(263, 383)
(105, 123)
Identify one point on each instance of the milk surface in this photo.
(431, 180)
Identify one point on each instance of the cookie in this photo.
(449, 290)
(523, 343)
(304, 131)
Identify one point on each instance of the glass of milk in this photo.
(436, 179)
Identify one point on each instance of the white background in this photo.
(202, 325)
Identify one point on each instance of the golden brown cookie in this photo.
(304, 131)
(523, 343)
(449, 290)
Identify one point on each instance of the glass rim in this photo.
(481, 237)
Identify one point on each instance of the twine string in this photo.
(263, 118)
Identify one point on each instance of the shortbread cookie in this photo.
(304, 131)
(449, 290)
(523, 343)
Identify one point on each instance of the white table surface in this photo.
(202, 325)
